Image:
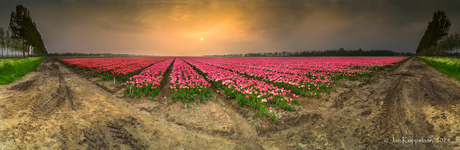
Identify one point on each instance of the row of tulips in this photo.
(299, 85)
(149, 81)
(186, 83)
(303, 76)
(247, 91)
(287, 66)
(312, 67)
(119, 68)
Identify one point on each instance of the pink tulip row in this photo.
(149, 81)
(239, 82)
(115, 65)
(184, 76)
(272, 76)
(300, 85)
(235, 84)
(314, 67)
(186, 83)
(268, 64)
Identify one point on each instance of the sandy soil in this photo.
(57, 108)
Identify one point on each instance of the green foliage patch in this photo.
(13, 69)
(448, 66)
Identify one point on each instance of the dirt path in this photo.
(55, 108)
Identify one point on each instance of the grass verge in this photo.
(448, 66)
(12, 69)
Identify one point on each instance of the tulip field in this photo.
(120, 68)
(303, 76)
(259, 83)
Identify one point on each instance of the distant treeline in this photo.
(339, 52)
(92, 54)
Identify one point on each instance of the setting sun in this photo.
(202, 39)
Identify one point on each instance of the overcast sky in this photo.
(175, 27)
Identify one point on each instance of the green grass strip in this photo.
(448, 66)
(13, 69)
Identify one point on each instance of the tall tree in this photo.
(7, 41)
(36, 41)
(451, 42)
(457, 40)
(31, 35)
(2, 39)
(437, 28)
(19, 25)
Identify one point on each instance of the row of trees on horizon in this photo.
(447, 46)
(22, 36)
(339, 52)
(10, 46)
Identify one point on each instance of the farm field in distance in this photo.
(231, 103)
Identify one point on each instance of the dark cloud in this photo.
(174, 27)
(275, 18)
